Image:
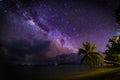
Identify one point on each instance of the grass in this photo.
(105, 73)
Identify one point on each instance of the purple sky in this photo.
(65, 23)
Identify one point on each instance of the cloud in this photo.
(21, 50)
(26, 51)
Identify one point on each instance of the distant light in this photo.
(31, 22)
(117, 33)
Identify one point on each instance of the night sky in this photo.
(53, 27)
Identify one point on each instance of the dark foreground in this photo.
(61, 72)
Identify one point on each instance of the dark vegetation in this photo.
(91, 58)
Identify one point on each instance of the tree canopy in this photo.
(91, 57)
(113, 51)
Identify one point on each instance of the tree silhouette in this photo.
(91, 57)
(117, 15)
(113, 51)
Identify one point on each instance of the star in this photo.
(66, 24)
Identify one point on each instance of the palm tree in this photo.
(113, 51)
(90, 58)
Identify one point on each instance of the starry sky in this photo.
(58, 26)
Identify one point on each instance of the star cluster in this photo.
(65, 23)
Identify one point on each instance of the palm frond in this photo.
(90, 61)
(81, 51)
(98, 57)
(93, 47)
(99, 54)
(82, 60)
(86, 46)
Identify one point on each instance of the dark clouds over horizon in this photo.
(64, 24)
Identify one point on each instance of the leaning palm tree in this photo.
(90, 57)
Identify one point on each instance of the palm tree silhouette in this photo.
(113, 51)
(91, 57)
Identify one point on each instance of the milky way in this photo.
(67, 24)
